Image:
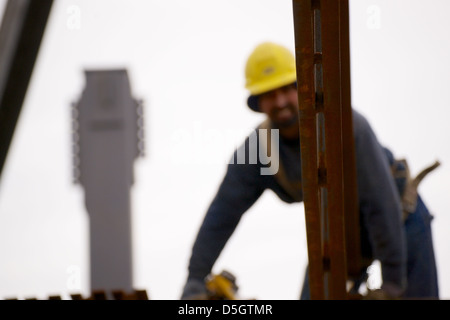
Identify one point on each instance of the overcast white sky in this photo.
(185, 60)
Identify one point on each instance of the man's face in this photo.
(281, 105)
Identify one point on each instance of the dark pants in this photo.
(421, 267)
(422, 274)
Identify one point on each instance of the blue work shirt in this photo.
(382, 233)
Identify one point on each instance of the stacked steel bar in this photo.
(329, 179)
(140, 294)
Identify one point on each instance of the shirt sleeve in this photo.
(240, 188)
(380, 205)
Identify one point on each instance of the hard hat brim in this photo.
(252, 103)
(252, 100)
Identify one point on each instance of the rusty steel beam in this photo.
(304, 52)
(328, 174)
(332, 125)
(351, 207)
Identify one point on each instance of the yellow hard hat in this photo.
(268, 67)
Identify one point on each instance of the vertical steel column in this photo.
(21, 33)
(324, 100)
(351, 207)
(304, 51)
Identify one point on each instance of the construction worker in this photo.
(403, 245)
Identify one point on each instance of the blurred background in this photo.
(185, 60)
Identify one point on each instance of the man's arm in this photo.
(380, 206)
(240, 188)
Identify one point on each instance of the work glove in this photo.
(194, 289)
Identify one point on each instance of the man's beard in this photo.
(288, 122)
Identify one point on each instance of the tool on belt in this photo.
(407, 185)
